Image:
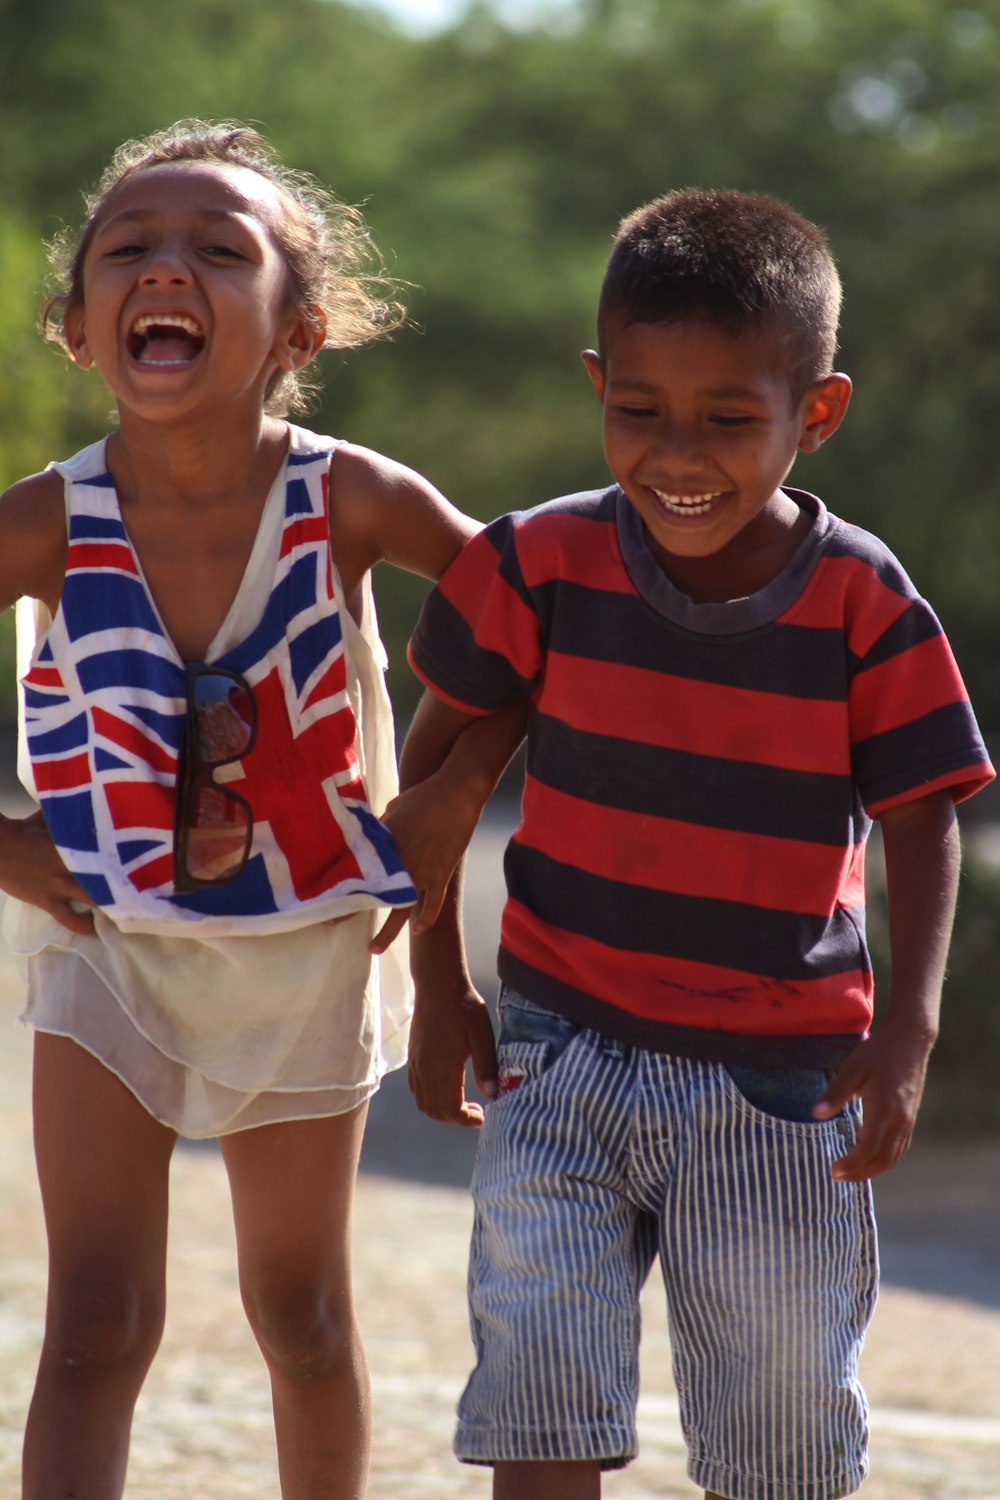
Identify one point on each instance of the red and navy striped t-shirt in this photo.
(688, 871)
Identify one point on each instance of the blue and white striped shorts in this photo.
(595, 1157)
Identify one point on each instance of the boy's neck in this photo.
(754, 558)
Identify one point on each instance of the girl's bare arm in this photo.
(33, 540)
(32, 563)
(381, 511)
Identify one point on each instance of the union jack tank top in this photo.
(104, 710)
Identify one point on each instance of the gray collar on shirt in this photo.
(731, 616)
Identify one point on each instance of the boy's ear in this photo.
(75, 334)
(824, 407)
(301, 339)
(595, 369)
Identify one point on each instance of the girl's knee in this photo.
(303, 1331)
(102, 1324)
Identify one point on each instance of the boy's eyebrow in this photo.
(715, 393)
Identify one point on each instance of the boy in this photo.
(726, 684)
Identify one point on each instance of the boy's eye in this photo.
(731, 421)
(123, 251)
(223, 252)
(637, 412)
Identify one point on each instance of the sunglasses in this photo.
(213, 825)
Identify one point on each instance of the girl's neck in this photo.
(188, 464)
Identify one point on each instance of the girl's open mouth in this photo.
(165, 339)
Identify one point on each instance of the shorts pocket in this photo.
(780, 1093)
(529, 1040)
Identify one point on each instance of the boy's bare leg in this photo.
(547, 1481)
(293, 1191)
(103, 1169)
(553, 1481)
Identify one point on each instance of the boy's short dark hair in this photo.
(737, 259)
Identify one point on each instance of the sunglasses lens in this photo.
(224, 714)
(218, 834)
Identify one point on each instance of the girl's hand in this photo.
(31, 870)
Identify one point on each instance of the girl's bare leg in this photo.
(293, 1191)
(103, 1168)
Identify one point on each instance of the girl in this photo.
(207, 732)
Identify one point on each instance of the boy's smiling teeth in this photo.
(687, 505)
(165, 338)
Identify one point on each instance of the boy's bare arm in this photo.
(922, 857)
(450, 763)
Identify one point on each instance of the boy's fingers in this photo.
(483, 1054)
(67, 915)
(429, 907)
(390, 929)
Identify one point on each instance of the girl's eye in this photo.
(636, 412)
(223, 252)
(123, 251)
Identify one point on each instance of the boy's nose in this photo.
(679, 444)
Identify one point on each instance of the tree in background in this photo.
(497, 163)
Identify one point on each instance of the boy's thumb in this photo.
(483, 1054)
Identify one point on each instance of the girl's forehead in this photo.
(199, 187)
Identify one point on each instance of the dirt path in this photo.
(932, 1364)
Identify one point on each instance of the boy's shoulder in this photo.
(593, 505)
(850, 543)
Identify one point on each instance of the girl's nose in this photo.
(165, 268)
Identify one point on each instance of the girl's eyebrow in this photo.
(142, 215)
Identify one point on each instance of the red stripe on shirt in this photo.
(700, 718)
(156, 872)
(44, 677)
(507, 625)
(303, 531)
(883, 696)
(330, 685)
(62, 775)
(135, 806)
(664, 854)
(848, 589)
(129, 737)
(686, 993)
(115, 555)
(573, 549)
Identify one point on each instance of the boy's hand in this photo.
(451, 1025)
(431, 825)
(887, 1072)
(31, 870)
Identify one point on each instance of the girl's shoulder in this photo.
(383, 511)
(33, 538)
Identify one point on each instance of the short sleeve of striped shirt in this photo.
(913, 731)
(478, 643)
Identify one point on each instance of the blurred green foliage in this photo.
(496, 165)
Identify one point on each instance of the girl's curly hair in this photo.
(334, 266)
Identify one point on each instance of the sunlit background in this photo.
(495, 147)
